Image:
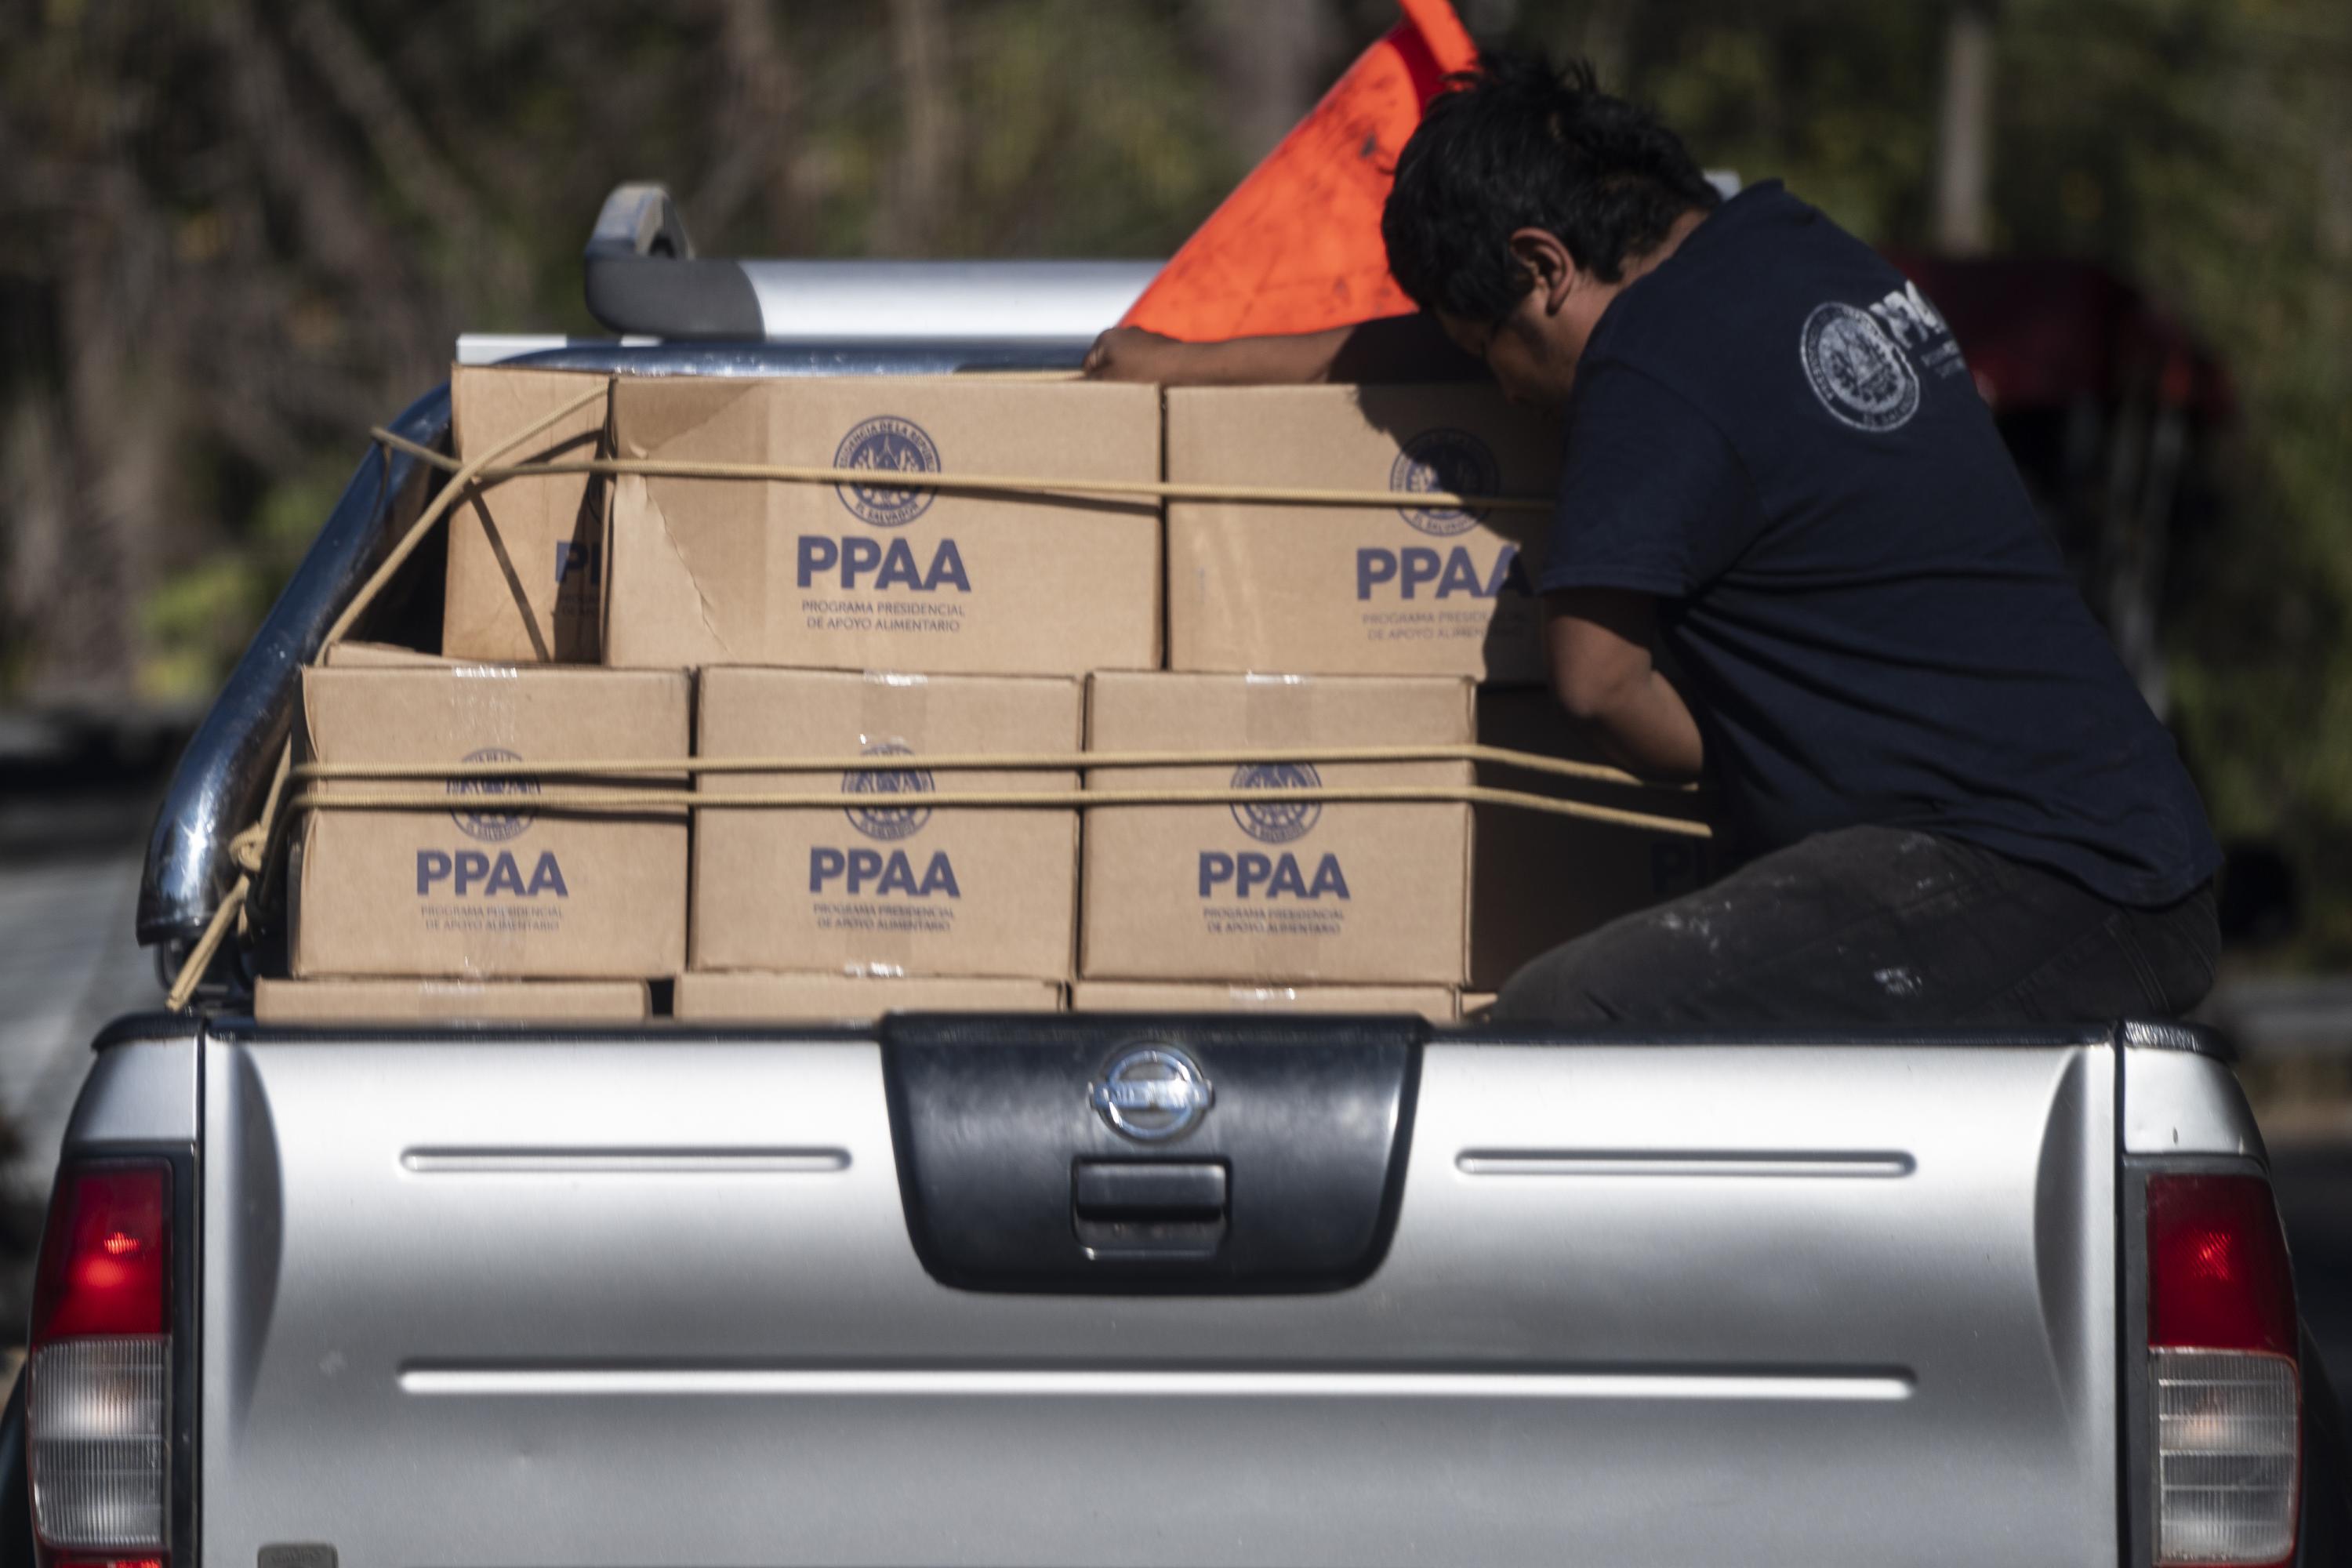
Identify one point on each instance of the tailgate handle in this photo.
(1132, 1208)
(1126, 1189)
(1076, 1154)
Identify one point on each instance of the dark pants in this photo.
(1878, 925)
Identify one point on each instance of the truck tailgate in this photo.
(502, 1301)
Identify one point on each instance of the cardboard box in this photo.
(1477, 1007)
(762, 998)
(875, 577)
(450, 1001)
(1540, 881)
(525, 576)
(1288, 892)
(1402, 590)
(910, 891)
(381, 656)
(1434, 1003)
(507, 893)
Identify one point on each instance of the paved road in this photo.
(73, 819)
(66, 965)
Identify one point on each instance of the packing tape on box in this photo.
(890, 707)
(1275, 708)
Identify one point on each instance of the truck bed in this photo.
(528, 1298)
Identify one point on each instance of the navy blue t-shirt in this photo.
(1775, 434)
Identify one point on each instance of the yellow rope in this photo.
(1014, 762)
(461, 476)
(200, 957)
(991, 484)
(628, 799)
(255, 848)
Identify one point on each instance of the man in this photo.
(1778, 468)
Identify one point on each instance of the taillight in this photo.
(98, 1389)
(2224, 1378)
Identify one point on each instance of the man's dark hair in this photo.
(1518, 143)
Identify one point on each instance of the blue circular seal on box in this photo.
(1277, 821)
(890, 446)
(888, 822)
(1452, 461)
(492, 827)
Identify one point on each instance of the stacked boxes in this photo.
(491, 889)
(896, 889)
(854, 618)
(876, 576)
(525, 554)
(895, 620)
(1289, 892)
(1409, 589)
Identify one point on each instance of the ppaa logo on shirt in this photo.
(890, 446)
(1861, 377)
(1445, 460)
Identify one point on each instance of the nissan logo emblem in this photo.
(1152, 1094)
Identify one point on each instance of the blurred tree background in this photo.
(234, 233)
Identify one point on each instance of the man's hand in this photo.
(1130, 354)
(1598, 640)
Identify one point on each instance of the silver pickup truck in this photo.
(1108, 1290)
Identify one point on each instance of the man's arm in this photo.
(1600, 640)
(1393, 348)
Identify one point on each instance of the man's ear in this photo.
(1549, 266)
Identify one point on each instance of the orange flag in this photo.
(1296, 248)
